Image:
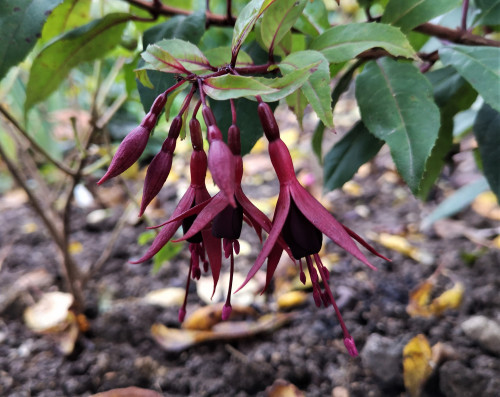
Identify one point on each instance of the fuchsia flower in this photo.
(301, 220)
(227, 220)
(203, 241)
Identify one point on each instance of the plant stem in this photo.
(465, 10)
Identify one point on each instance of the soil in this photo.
(118, 350)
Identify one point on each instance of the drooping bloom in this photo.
(133, 145)
(301, 220)
(226, 220)
(202, 243)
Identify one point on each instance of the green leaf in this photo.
(278, 20)
(21, 25)
(221, 56)
(176, 56)
(456, 202)
(397, 106)
(248, 122)
(314, 19)
(167, 252)
(55, 61)
(230, 86)
(354, 149)
(297, 102)
(317, 87)
(480, 66)
(490, 12)
(66, 16)
(408, 14)
(317, 141)
(452, 94)
(246, 21)
(487, 132)
(178, 27)
(344, 42)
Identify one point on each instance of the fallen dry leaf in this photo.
(419, 305)
(486, 205)
(128, 392)
(291, 299)
(206, 317)
(50, 313)
(417, 364)
(165, 297)
(176, 340)
(449, 299)
(402, 245)
(283, 388)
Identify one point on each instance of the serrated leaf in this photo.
(490, 12)
(452, 94)
(297, 102)
(344, 42)
(21, 25)
(314, 19)
(176, 56)
(354, 149)
(221, 56)
(456, 202)
(278, 20)
(480, 66)
(246, 21)
(397, 106)
(84, 44)
(178, 27)
(487, 132)
(67, 16)
(249, 124)
(408, 14)
(317, 87)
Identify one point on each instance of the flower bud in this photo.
(233, 140)
(156, 176)
(195, 132)
(208, 116)
(128, 152)
(268, 121)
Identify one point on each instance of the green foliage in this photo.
(356, 148)
(487, 132)
(480, 66)
(87, 43)
(397, 106)
(21, 25)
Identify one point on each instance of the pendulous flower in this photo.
(133, 145)
(201, 244)
(301, 220)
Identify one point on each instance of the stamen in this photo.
(348, 340)
(302, 275)
(226, 309)
(182, 310)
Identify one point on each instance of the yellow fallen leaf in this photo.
(352, 189)
(176, 340)
(75, 247)
(496, 242)
(291, 299)
(402, 245)
(30, 227)
(449, 299)
(128, 392)
(166, 297)
(417, 364)
(486, 205)
(418, 304)
(206, 317)
(283, 388)
(132, 172)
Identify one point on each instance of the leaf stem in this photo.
(465, 10)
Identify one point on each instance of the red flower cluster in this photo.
(213, 224)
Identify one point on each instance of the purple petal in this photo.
(282, 207)
(214, 252)
(272, 264)
(221, 165)
(325, 222)
(169, 230)
(216, 205)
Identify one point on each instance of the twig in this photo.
(34, 144)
